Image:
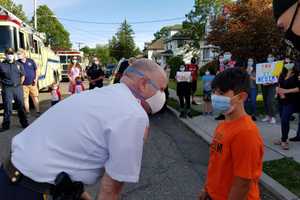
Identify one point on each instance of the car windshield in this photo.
(5, 38)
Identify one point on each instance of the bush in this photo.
(174, 63)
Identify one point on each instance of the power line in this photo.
(116, 23)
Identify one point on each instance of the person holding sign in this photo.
(288, 95)
(184, 79)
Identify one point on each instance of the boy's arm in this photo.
(239, 188)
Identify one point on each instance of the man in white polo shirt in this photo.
(101, 128)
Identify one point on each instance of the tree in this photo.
(58, 37)
(175, 63)
(163, 32)
(196, 21)
(249, 31)
(101, 51)
(14, 8)
(122, 44)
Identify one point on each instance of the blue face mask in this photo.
(221, 103)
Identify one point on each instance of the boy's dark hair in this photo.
(234, 79)
(193, 60)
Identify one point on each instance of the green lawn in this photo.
(199, 92)
(286, 172)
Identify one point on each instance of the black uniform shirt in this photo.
(10, 73)
(95, 72)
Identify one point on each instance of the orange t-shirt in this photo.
(236, 151)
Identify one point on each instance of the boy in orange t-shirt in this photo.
(236, 152)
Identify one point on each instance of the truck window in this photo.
(16, 35)
(6, 39)
(22, 40)
(35, 45)
(63, 59)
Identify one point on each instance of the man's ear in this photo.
(243, 96)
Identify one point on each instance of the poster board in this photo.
(184, 77)
(268, 73)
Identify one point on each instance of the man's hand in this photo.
(86, 196)
(203, 195)
(240, 188)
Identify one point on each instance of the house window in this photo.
(180, 43)
(206, 54)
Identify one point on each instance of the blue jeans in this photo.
(251, 102)
(286, 111)
(9, 191)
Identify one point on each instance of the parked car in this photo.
(109, 70)
(119, 70)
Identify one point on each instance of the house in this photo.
(153, 50)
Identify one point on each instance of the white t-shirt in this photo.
(101, 128)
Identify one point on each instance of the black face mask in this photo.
(290, 35)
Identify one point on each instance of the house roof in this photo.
(157, 45)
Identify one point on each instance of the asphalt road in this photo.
(174, 161)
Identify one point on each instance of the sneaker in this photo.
(285, 145)
(272, 120)
(295, 139)
(254, 118)
(182, 115)
(189, 114)
(266, 119)
(38, 114)
(194, 103)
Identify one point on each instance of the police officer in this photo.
(106, 135)
(12, 77)
(95, 74)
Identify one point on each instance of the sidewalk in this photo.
(204, 126)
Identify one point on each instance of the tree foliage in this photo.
(102, 52)
(174, 63)
(196, 21)
(163, 32)
(122, 44)
(57, 36)
(16, 9)
(249, 31)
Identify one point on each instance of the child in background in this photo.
(55, 94)
(78, 87)
(207, 80)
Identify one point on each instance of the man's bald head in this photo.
(151, 70)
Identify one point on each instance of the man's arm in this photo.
(110, 189)
(22, 79)
(239, 189)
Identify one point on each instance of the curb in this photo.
(268, 182)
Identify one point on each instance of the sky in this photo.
(114, 11)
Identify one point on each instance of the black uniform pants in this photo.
(9, 94)
(10, 191)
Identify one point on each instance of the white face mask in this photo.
(10, 57)
(207, 73)
(156, 102)
(182, 69)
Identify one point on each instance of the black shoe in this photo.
(189, 114)
(220, 117)
(181, 115)
(254, 118)
(4, 129)
(25, 125)
(295, 139)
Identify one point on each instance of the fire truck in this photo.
(16, 34)
(66, 58)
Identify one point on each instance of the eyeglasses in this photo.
(141, 74)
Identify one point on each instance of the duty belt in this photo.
(16, 177)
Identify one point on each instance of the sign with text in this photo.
(267, 73)
(183, 76)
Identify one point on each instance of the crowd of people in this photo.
(279, 99)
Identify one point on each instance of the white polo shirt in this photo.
(100, 128)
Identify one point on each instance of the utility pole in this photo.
(79, 45)
(35, 16)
